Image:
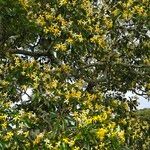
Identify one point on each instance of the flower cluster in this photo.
(83, 44)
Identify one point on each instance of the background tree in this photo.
(144, 114)
(79, 58)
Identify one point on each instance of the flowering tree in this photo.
(79, 58)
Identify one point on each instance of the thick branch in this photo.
(29, 53)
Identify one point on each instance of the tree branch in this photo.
(137, 93)
(29, 53)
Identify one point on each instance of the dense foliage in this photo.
(78, 58)
(144, 114)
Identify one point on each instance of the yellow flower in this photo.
(104, 116)
(2, 118)
(79, 84)
(116, 12)
(48, 16)
(4, 125)
(68, 141)
(4, 83)
(108, 23)
(54, 83)
(139, 10)
(53, 29)
(97, 118)
(126, 14)
(73, 94)
(8, 136)
(69, 40)
(38, 138)
(26, 134)
(112, 125)
(129, 3)
(78, 37)
(88, 121)
(62, 2)
(65, 68)
(98, 40)
(101, 133)
(40, 20)
(121, 136)
(61, 47)
(123, 121)
(77, 94)
(24, 3)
